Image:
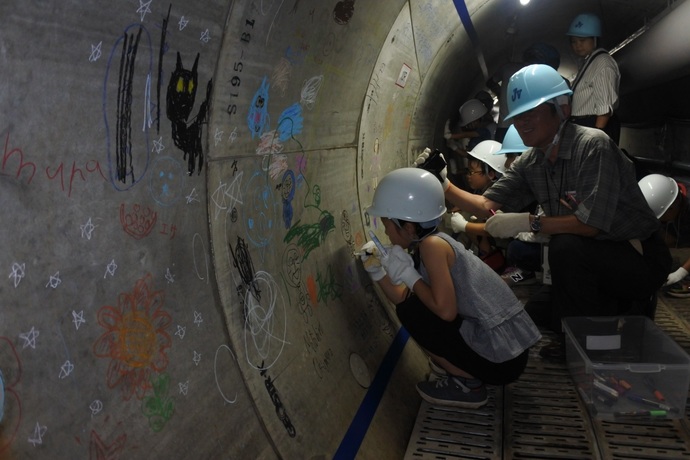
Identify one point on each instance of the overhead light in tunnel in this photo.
(524, 2)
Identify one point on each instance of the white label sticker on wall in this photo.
(404, 73)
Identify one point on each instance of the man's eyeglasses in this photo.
(472, 173)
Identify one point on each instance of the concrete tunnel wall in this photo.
(178, 270)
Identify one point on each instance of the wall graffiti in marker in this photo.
(181, 96)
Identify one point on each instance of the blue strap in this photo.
(360, 423)
(474, 38)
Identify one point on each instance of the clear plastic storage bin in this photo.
(626, 366)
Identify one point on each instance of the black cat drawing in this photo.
(180, 99)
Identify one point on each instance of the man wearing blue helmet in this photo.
(605, 252)
(595, 87)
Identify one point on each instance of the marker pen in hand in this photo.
(378, 244)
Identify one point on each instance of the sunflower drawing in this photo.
(135, 339)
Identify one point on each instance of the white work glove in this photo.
(531, 237)
(441, 174)
(369, 255)
(676, 276)
(458, 222)
(508, 224)
(400, 267)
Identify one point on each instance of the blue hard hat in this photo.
(532, 86)
(585, 25)
(512, 143)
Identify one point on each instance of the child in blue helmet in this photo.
(451, 303)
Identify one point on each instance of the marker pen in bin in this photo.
(598, 385)
(635, 413)
(637, 398)
(652, 387)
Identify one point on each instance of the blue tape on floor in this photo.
(464, 14)
(360, 423)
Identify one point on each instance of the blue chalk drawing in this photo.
(258, 119)
(290, 122)
(287, 189)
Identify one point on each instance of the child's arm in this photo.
(370, 260)
(396, 293)
(679, 274)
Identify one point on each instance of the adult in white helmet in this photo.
(606, 253)
(449, 301)
(668, 199)
(595, 86)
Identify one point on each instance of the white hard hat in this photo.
(486, 151)
(410, 194)
(660, 192)
(472, 110)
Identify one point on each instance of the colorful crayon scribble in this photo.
(290, 122)
(139, 222)
(99, 450)
(159, 408)
(258, 119)
(310, 236)
(135, 340)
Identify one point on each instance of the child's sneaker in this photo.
(514, 276)
(454, 391)
(437, 372)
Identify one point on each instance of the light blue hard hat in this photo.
(585, 25)
(512, 142)
(410, 194)
(532, 86)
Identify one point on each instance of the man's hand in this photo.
(369, 255)
(441, 173)
(400, 267)
(507, 225)
(531, 237)
(676, 276)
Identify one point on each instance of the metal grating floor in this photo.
(541, 416)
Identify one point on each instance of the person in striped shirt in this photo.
(595, 87)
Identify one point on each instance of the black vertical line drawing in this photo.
(123, 137)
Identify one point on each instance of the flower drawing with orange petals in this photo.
(135, 338)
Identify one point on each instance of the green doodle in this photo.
(310, 236)
(328, 287)
(158, 408)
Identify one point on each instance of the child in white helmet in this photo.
(483, 169)
(451, 303)
(668, 199)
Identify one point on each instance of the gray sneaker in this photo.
(454, 391)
